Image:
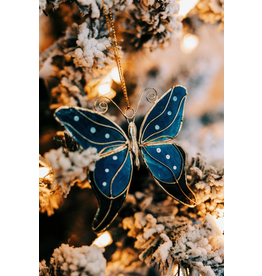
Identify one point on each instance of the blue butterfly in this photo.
(113, 171)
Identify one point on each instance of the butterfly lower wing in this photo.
(113, 171)
(110, 181)
(166, 162)
(108, 209)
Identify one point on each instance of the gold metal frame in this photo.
(152, 97)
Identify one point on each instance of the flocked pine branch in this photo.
(93, 45)
(42, 6)
(88, 43)
(69, 164)
(92, 8)
(84, 54)
(71, 167)
(211, 11)
(79, 261)
(49, 198)
(150, 23)
(144, 24)
(169, 240)
(208, 186)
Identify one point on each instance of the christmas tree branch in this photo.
(50, 51)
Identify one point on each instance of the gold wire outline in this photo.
(116, 149)
(97, 213)
(120, 168)
(175, 145)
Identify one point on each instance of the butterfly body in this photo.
(119, 152)
(132, 133)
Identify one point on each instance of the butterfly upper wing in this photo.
(164, 159)
(113, 171)
(91, 129)
(164, 120)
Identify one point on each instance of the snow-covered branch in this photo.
(168, 239)
(151, 24)
(79, 261)
(71, 168)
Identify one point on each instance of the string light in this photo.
(115, 75)
(104, 88)
(186, 6)
(43, 171)
(220, 220)
(103, 240)
(189, 43)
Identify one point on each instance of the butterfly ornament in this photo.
(119, 152)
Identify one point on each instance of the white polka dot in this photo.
(107, 135)
(174, 167)
(167, 156)
(157, 127)
(93, 130)
(106, 170)
(114, 157)
(76, 118)
(169, 113)
(104, 183)
(158, 150)
(175, 98)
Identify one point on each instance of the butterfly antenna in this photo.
(103, 105)
(151, 96)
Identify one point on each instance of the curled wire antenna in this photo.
(151, 97)
(101, 103)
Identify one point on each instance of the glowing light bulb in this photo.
(104, 88)
(220, 220)
(115, 75)
(186, 6)
(103, 240)
(189, 43)
(43, 171)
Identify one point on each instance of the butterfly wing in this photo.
(91, 129)
(113, 171)
(164, 159)
(110, 181)
(164, 120)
